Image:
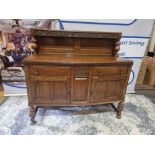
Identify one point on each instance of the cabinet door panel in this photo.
(42, 90)
(61, 90)
(80, 89)
(104, 89)
(50, 91)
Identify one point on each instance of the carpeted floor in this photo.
(138, 118)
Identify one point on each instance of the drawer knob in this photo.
(121, 72)
(99, 74)
(36, 72)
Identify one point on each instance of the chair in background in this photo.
(6, 62)
(15, 72)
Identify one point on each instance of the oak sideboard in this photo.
(76, 68)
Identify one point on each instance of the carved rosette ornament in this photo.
(34, 43)
(116, 48)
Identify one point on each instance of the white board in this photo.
(135, 37)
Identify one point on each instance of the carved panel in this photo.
(51, 90)
(76, 34)
(81, 71)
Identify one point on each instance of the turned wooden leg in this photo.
(33, 111)
(119, 110)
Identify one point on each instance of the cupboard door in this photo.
(106, 89)
(80, 89)
(51, 90)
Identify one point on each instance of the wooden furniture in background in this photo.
(150, 73)
(146, 78)
(142, 71)
(76, 68)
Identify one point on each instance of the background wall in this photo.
(135, 37)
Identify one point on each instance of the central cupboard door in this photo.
(51, 90)
(80, 87)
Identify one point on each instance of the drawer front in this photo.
(48, 70)
(102, 71)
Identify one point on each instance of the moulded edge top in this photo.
(75, 60)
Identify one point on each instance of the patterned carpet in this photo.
(138, 118)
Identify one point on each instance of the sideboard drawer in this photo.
(48, 70)
(102, 71)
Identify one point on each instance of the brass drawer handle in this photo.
(121, 72)
(81, 78)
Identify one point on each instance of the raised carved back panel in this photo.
(74, 42)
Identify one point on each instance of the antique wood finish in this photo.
(76, 68)
(103, 88)
(50, 90)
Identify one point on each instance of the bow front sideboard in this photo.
(76, 68)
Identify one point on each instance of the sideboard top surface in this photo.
(69, 59)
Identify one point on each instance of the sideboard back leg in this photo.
(119, 110)
(32, 114)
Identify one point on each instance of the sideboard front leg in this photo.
(119, 110)
(33, 111)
